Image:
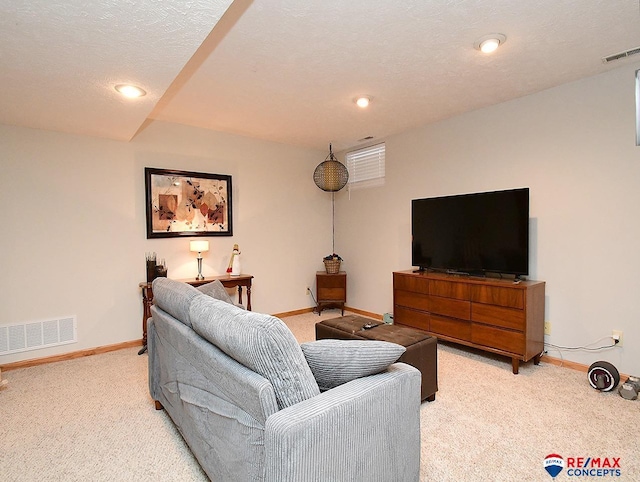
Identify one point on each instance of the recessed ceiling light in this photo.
(363, 100)
(131, 91)
(489, 43)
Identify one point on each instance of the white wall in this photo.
(574, 147)
(74, 236)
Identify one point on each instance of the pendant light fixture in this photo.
(331, 176)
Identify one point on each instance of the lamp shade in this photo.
(331, 175)
(199, 246)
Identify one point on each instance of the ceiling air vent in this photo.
(621, 55)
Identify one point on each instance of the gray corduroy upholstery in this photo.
(174, 298)
(367, 429)
(334, 362)
(216, 290)
(260, 342)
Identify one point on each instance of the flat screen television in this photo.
(477, 234)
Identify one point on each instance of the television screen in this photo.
(477, 233)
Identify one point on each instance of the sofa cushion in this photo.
(174, 297)
(334, 362)
(216, 290)
(262, 343)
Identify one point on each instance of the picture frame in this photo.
(185, 203)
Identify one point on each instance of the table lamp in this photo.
(199, 247)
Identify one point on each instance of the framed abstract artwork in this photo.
(183, 203)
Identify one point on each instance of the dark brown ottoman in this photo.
(421, 348)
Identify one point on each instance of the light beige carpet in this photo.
(92, 419)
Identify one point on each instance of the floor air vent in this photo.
(621, 55)
(38, 334)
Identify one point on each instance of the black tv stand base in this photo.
(452, 272)
(479, 274)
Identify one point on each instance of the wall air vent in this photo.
(37, 334)
(621, 55)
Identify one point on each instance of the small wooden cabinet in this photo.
(331, 290)
(495, 315)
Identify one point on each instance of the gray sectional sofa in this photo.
(254, 405)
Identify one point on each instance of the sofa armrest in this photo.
(367, 429)
(182, 363)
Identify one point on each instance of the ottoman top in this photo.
(402, 335)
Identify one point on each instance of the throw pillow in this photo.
(334, 362)
(216, 290)
(262, 343)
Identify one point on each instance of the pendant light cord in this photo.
(333, 222)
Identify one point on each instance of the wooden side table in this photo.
(331, 290)
(227, 281)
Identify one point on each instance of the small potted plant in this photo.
(332, 263)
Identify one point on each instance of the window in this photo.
(366, 166)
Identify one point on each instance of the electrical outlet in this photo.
(547, 327)
(308, 291)
(617, 335)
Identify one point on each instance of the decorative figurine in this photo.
(234, 262)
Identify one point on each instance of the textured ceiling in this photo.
(59, 60)
(288, 70)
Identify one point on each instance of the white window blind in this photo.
(366, 166)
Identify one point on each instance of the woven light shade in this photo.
(331, 175)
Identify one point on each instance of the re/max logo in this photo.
(594, 462)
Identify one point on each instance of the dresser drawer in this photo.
(406, 316)
(414, 284)
(498, 316)
(507, 340)
(412, 300)
(498, 296)
(450, 307)
(449, 289)
(458, 329)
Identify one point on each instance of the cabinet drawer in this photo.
(449, 289)
(499, 296)
(331, 281)
(416, 284)
(331, 294)
(448, 307)
(458, 329)
(416, 319)
(411, 299)
(510, 341)
(498, 316)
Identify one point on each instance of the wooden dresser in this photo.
(495, 315)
